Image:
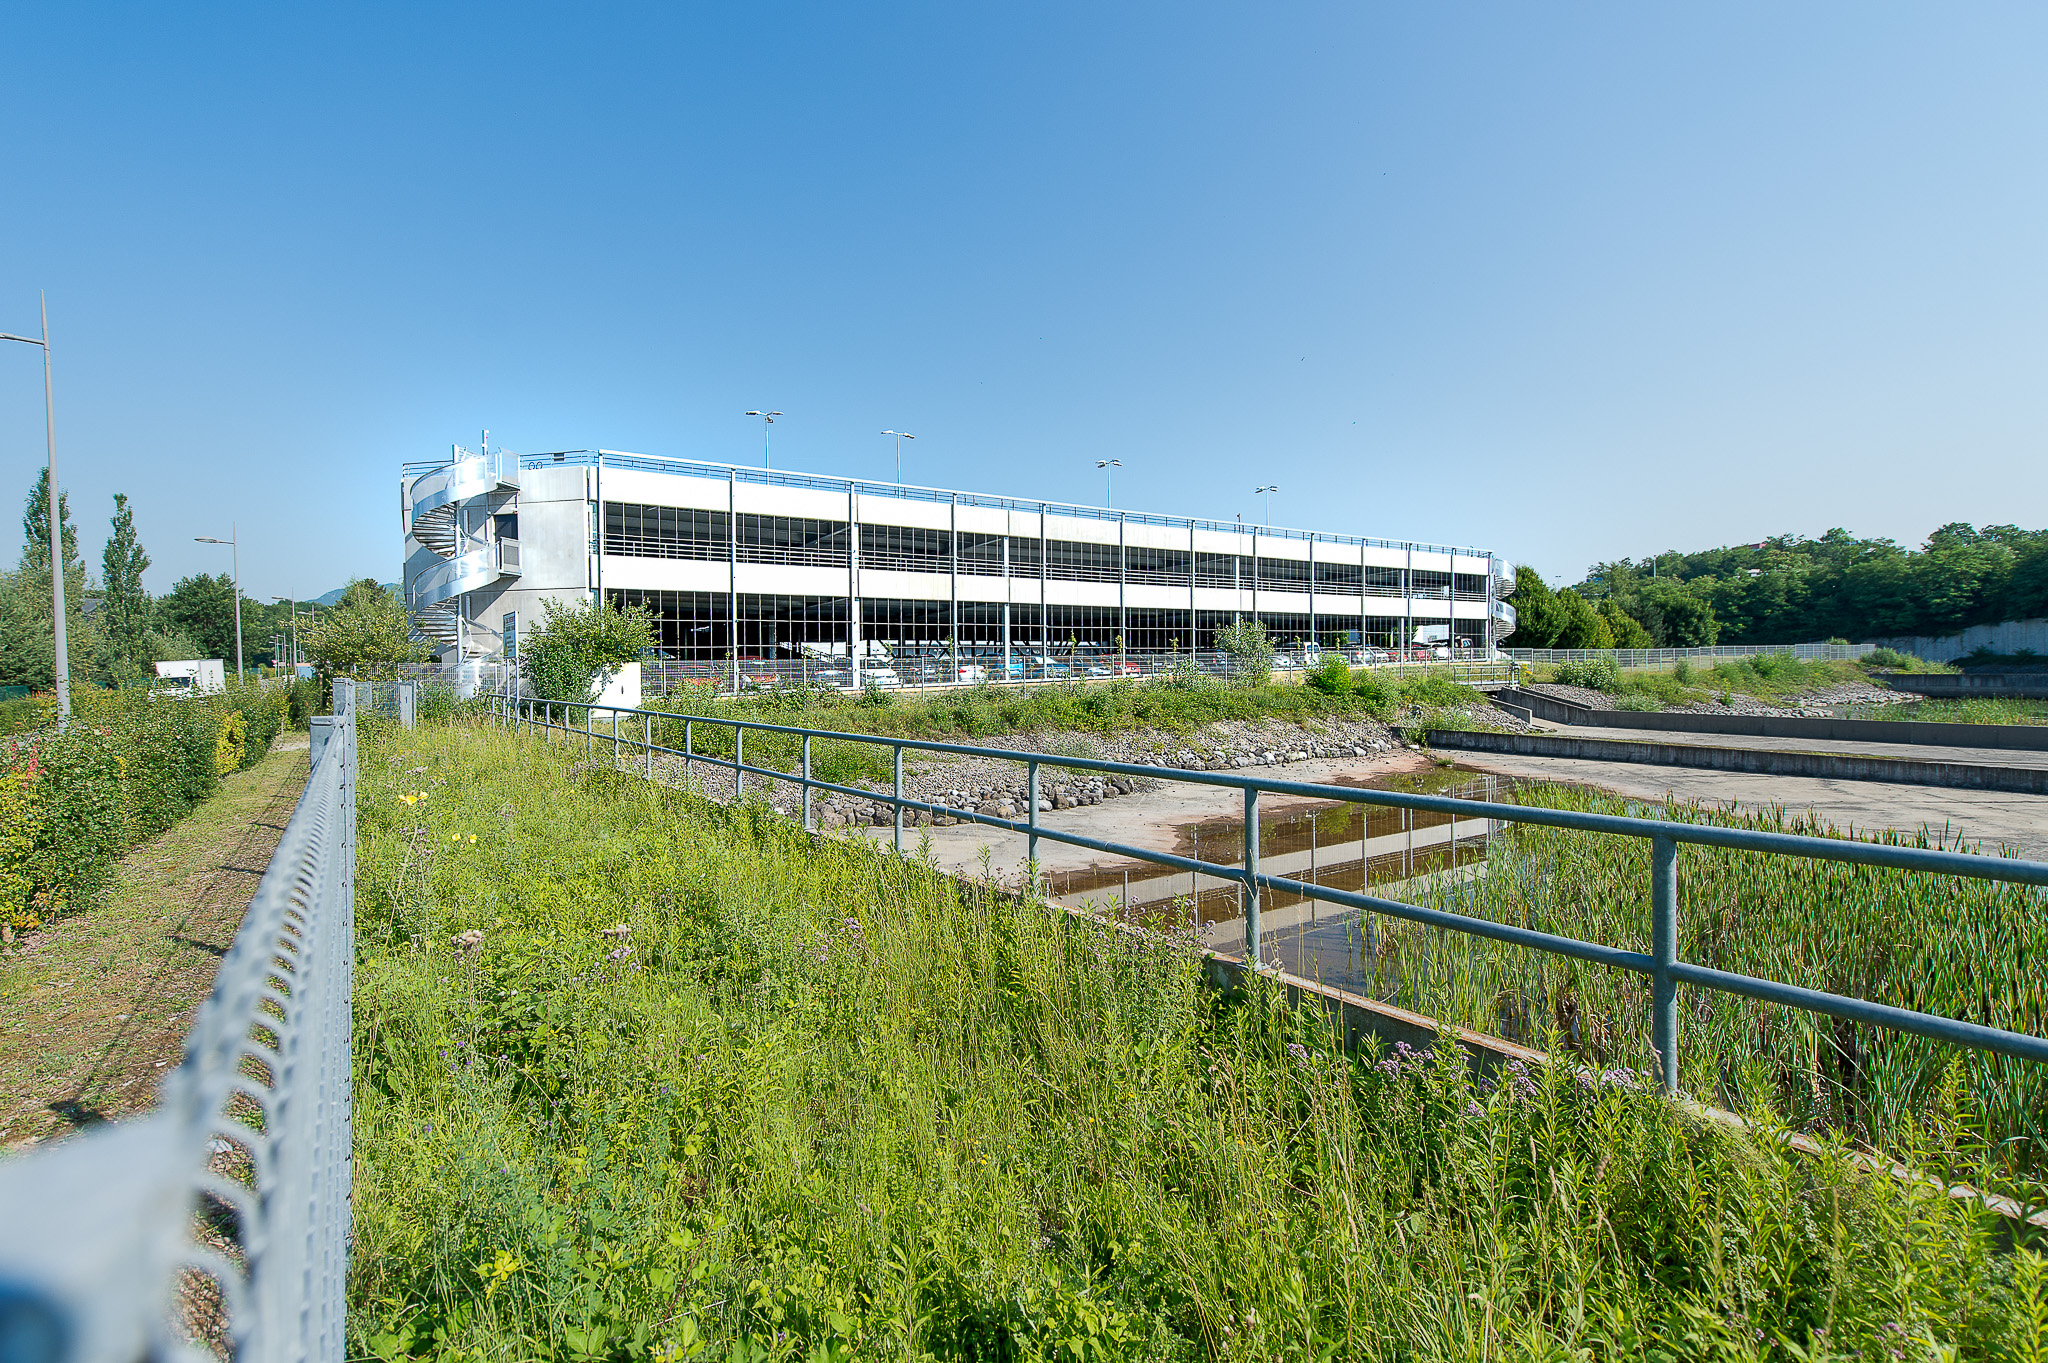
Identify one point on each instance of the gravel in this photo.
(1817, 704)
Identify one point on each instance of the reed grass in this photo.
(1974, 710)
(1967, 949)
(642, 1078)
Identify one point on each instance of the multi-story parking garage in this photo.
(743, 568)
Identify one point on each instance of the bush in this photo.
(1332, 676)
(61, 822)
(1250, 652)
(1437, 689)
(1594, 674)
(1681, 672)
(1636, 700)
(306, 697)
(1886, 657)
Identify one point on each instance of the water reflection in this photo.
(1391, 853)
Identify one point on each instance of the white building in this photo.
(744, 568)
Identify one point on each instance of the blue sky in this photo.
(1567, 282)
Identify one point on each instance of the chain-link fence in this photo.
(217, 1225)
(1651, 657)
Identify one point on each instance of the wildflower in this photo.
(621, 954)
(1472, 1109)
(467, 941)
(618, 930)
(1298, 1051)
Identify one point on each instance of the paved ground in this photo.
(1992, 818)
(1151, 819)
(1920, 752)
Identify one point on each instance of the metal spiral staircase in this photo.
(435, 502)
(1503, 586)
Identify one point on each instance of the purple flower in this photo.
(1474, 1110)
(1298, 1051)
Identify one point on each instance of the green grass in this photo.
(1975, 710)
(817, 1102)
(1962, 948)
(1773, 677)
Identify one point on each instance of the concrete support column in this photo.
(853, 640)
(953, 541)
(732, 579)
(1123, 581)
(1006, 599)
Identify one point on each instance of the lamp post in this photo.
(767, 420)
(1109, 480)
(234, 546)
(1268, 492)
(901, 436)
(63, 654)
(294, 650)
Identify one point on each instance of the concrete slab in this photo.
(1912, 752)
(1992, 818)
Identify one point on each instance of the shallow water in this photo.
(1391, 853)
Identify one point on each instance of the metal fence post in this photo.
(647, 741)
(807, 783)
(615, 739)
(739, 762)
(1031, 808)
(1664, 954)
(408, 705)
(589, 736)
(689, 747)
(1251, 878)
(899, 797)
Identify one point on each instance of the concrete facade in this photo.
(742, 566)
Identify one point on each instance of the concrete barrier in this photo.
(2020, 737)
(1972, 685)
(1760, 761)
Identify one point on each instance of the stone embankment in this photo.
(1816, 704)
(997, 788)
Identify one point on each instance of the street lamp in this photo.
(1109, 479)
(1268, 491)
(901, 436)
(767, 420)
(63, 655)
(294, 651)
(236, 559)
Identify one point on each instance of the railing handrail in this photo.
(1663, 835)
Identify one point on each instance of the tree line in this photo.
(1790, 589)
(117, 632)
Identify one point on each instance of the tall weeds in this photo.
(639, 1077)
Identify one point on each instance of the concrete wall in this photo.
(2028, 737)
(2009, 637)
(1982, 684)
(1759, 761)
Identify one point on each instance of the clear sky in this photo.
(1563, 281)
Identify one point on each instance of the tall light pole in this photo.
(767, 420)
(236, 560)
(901, 436)
(293, 652)
(63, 653)
(1109, 479)
(1268, 491)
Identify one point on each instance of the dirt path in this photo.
(97, 1004)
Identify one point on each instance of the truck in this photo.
(191, 677)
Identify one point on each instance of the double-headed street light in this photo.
(63, 654)
(236, 560)
(1109, 479)
(767, 420)
(1268, 492)
(293, 651)
(901, 436)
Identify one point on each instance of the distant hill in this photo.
(329, 598)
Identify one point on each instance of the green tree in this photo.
(1250, 651)
(125, 610)
(366, 635)
(1677, 617)
(1580, 626)
(1538, 619)
(27, 633)
(562, 658)
(202, 607)
(1628, 631)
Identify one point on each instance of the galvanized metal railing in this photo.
(217, 1224)
(1660, 963)
(1651, 657)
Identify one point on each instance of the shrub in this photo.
(1886, 657)
(229, 743)
(61, 821)
(1437, 689)
(1332, 676)
(1681, 672)
(1250, 652)
(306, 697)
(1595, 674)
(21, 823)
(1373, 694)
(1636, 700)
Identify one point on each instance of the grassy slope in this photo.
(97, 1004)
(1774, 679)
(824, 1100)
